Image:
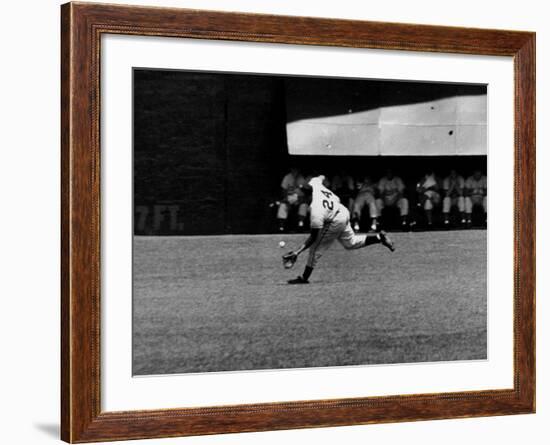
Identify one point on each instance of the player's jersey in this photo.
(428, 181)
(324, 204)
(390, 187)
(477, 186)
(455, 184)
(366, 187)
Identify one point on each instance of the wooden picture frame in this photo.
(82, 26)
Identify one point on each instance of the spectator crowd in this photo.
(433, 202)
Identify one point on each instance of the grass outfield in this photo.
(221, 303)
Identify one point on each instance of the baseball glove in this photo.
(289, 259)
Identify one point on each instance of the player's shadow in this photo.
(49, 429)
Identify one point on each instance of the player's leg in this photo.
(373, 211)
(345, 198)
(447, 203)
(323, 242)
(428, 207)
(379, 206)
(403, 206)
(349, 203)
(460, 203)
(358, 205)
(468, 207)
(478, 201)
(302, 214)
(435, 200)
(282, 215)
(350, 240)
(390, 201)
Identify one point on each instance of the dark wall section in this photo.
(178, 157)
(212, 145)
(409, 168)
(210, 149)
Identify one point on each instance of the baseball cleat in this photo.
(386, 241)
(356, 227)
(298, 280)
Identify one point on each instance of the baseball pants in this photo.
(449, 202)
(338, 229)
(471, 201)
(362, 200)
(402, 204)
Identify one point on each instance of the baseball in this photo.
(282, 244)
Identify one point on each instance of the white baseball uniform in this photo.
(365, 197)
(478, 188)
(431, 197)
(390, 190)
(333, 220)
(455, 186)
(292, 186)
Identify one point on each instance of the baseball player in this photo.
(428, 193)
(391, 189)
(366, 191)
(330, 221)
(453, 189)
(476, 194)
(292, 196)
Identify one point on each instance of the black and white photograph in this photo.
(285, 222)
(240, 222)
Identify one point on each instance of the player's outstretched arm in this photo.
(314, 234)
(290, 258)
(303, 279)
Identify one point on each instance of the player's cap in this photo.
(317, 181)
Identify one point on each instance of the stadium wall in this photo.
(212, 145)
(210, 149)
(351, 117)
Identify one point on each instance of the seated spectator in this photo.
(366, 192)
(428, 194)
(453, 191)
(343, 186)
(292, 196)
(391, 190)
(475, 194)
